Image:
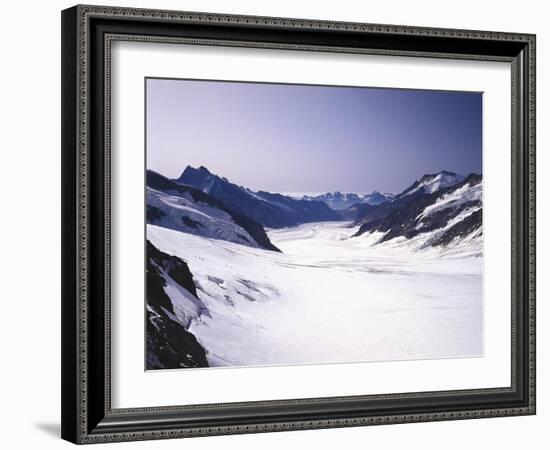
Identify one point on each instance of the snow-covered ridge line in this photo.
(433, 182)
(440, 218)
(186, 209)
(465, 193)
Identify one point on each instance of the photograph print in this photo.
(292, 224)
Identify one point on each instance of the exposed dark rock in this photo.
(402, 217)
(461, 229)
(190, 222)
(154, 214)
(169, 344)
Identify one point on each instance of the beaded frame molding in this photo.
(87, 35)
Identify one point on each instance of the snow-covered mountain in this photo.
(441, 217)
(376, 198)
(427, 184)
(271, 210)
(183, 208)
(431, 183)
(339, 201)
(384, 203)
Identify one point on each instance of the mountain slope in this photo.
(431, 183)
(186, 209)
(172, 304)
(443, 216)
(271, 210)
(428, 184)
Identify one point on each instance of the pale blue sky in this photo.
(300, 138)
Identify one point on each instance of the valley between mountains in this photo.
(237, 277)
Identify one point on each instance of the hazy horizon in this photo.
(311, 139)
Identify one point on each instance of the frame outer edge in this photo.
(532, 143)
(75, 219)
(297, 23)
(69, 263)
(83, 180)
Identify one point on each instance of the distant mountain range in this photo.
(269, 209)
(339, 201)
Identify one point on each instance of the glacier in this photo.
(330, 297)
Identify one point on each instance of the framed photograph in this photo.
(278, 224)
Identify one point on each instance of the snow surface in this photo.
(329, 298)
(210, 221)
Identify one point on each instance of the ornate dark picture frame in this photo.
(87, 34)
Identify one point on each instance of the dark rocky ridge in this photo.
(271, 210)
(462, 228)
(401, 217)
(169, 344)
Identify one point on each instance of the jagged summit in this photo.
(191, 173)
(432, 182)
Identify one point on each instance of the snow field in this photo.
(330, 298)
